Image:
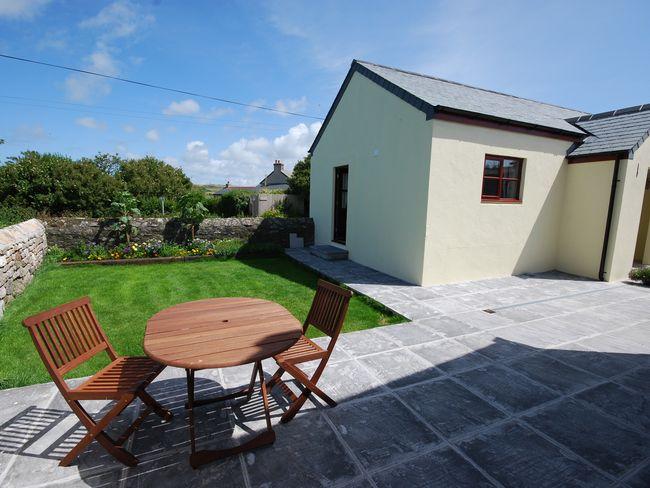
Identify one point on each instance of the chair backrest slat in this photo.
(67, 336)
(328, 309)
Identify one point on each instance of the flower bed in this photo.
(156, 251)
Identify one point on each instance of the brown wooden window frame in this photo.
(500, 178)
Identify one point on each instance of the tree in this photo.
(108, 163)
(151, 177)
(299, 180)
(193, 212)
(124, 209)
(55, 184)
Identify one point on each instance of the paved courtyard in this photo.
(551, 389)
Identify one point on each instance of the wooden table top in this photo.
(220, 332)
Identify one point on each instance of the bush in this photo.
(212, 204)
(193, 212)
(235, 203)
(15, 215)
(641, 274)
(150, 177)
(55, 184)
(151, 206)
(274, 213)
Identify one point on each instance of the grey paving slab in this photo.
(399, 368)
(306, 453)
(482, 320)
(348, 380)
(175, 471)
(596, 362)
(415, 310)
(516, 456)
(592, 435)
(554, 374)
(640, 478)
(448, 326)
(629, 406)
(449, 355)
(381, 430)
(447, 305)
(490, 345)
(437, 469)
(449, 407)
(638, 379)
(410, 333)
(512, 391)
(358, 344)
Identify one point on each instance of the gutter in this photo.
(608, 222)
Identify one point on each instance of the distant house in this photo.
(434, 181)
(276, 180)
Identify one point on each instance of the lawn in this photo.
(124, 297)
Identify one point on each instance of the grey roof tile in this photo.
(449, 94)
(620, 130)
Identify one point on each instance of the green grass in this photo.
(124, 297)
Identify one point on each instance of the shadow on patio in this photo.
(506, 414)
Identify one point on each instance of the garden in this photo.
(124, 297)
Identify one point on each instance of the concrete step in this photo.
(329, 253)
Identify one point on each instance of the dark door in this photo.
(340, 203)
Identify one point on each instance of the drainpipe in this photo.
(608, 223)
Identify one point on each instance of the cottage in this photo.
(434, 181)
(275, 180)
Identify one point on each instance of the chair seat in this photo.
(123, 376)
(302, 351)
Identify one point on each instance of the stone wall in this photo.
(66, 232)
(22, 248)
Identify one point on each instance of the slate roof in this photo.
(442, 93)
(621, 130)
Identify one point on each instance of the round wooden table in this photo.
(218, 333)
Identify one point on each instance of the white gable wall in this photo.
(386, 144)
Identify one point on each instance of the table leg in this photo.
(190, 405)
(198, 458)
(247, 392)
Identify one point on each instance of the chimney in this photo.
(278, 166)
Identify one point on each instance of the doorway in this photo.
(340, 204)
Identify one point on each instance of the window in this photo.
(501, 179)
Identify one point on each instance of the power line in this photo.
(136, 114)
(158, 87)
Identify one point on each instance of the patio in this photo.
(551, 389)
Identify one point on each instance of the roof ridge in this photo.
(611, 113)
(415, 73)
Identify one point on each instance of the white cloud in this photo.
(53, 39)
(289, 105)
(128, 128)
(259, 102)
(152, 135)
(185, 107)
(29, 133)
(84, 88)
(247, 161)
(90, 123)
(21, 9)
(118, 19)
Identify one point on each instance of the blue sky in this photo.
(289, 55)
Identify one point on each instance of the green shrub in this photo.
(235, 203)
(275, 212)
(192, 210)
(151, 177)
(641, 274)
(14, 215)
(55, 184)
(212, 204)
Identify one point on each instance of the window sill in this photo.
(498, 200)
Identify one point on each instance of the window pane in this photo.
(490, 187)
(510, 189)
(492, 167)
(510, 168)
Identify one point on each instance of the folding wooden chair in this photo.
(69, 335)
(327, 314)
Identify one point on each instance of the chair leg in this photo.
(294, 407)
(275, 378)
(157, 408)
(96, 431)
